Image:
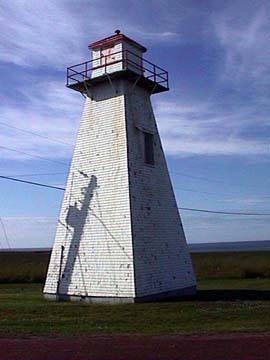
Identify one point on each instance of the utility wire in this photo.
(4, 231)
(41, 157)
(175, 187)
(69, 144)
(198, 191)
(37, 174)
(214, 180)
(180, 208)
(212, 193)
(34, 156)
(36, 134)
(31, 183)
(224, 212)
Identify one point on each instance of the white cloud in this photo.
(187, 147)
(247, 201)
(186, 129)
(26, 231)
(206, 228)
(37, 33)
(52, 111)
(205, 129)
(157, 36)
(55, 34)
(245, 40)
(50, 34)
(29, 219)
(43, 37)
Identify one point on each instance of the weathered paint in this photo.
(162, 261)
(119, 237)
(115, 58)
(119, 223)
(98, 260)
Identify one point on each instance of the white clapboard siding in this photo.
(119, 234)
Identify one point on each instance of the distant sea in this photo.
(260, 245)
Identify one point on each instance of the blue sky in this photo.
(214, 121)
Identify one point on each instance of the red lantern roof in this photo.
(113, 38)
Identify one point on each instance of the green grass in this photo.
(31, 267)
(235, 284)
(234, 265)
(22, 267)
(23, 311)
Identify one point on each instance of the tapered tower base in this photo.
(119, 237)
(168, 295)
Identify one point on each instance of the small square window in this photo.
(149, 148)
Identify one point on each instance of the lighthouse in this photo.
(119, 236)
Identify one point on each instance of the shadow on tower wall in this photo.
(76, 219)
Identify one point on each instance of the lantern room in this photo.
(117, 56)
(115, 53)
(119, 237)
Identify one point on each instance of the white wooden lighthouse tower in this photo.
(119, 236)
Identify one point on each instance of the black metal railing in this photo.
(130, 61)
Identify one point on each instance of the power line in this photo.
(37, 174)
(68, 144)
(32, 155)
(198, 191)
(175, 187)
(211, 193)
(36, 134)
(4, 231)
(31, 183)
(214, 180)
(180, 208)
(41, 157)
(223, 212)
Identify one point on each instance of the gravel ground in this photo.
(127, 347)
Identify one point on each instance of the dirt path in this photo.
(205, 347)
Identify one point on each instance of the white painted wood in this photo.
(119, 233)
(98, 256)
(115, 55)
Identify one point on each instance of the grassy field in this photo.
(233, 265)
(31, 267)
(23, 267)
(233, 296)
(23, 311)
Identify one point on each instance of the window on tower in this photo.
(149, 148)
(107, 55)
